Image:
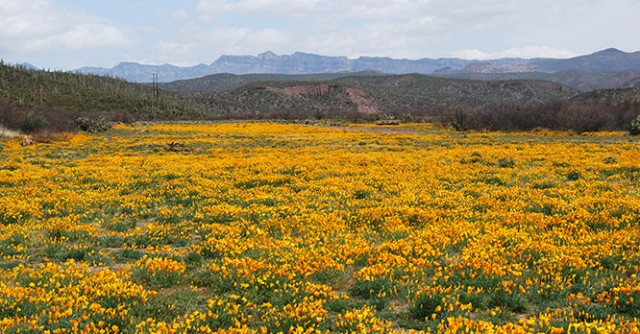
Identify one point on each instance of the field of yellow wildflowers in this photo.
(266, 227)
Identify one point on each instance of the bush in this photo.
(579, 116)
(33, 121)
(573, 176)
(511, 302)
(369, 289)
(98, 124)
(458, 119)
(425, 306)
(634, 128)
(10, 117)
(506, 162)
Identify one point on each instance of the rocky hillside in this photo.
(226, 81)
(623, 96)
(365, 95)
(580, 80)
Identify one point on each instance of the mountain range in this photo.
(610, 68)
(31, 98)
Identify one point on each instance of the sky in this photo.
(68, 34)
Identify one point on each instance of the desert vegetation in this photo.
(33, 101)
(578, 116)
(271, 227)
(373, 204)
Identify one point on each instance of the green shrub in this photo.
(425, 306)
(98, 124)
(33, 122)
(573, 176)
(477, 301)
(361, 194)
(506, 162)
(511, 302)
(369, 289)
(634, 127)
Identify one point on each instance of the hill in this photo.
(580, 80)
(25, 91)
(621, 96)
(371, 95)
(34, 99)
(226, 81)
(609, 60)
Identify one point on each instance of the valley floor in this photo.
(266, 227)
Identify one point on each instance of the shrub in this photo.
(587, 118)
(33, 121)
(98, 124)
(634, 127)
(458, 119)
(369, 289)
(10, 117)
(361, 194)
(511, 302)
(425, 306)
(573, 176)
(506, 162)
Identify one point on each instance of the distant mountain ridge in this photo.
(605, 61)
(58, 98)
(270, 63)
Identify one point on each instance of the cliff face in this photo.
(357, 97)
(269, 62)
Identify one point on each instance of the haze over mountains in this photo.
(610, 68)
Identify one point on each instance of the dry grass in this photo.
(4, 132)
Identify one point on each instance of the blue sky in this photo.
(67, 34)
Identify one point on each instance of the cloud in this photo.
(331, 27)
(524, 52)
(186, 33)
(312, 10)
(192, 45)
(44, 26)
(270, 7)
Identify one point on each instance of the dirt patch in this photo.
(360, 99)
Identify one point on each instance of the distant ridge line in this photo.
(606, 61)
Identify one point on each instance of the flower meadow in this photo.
(270, 227)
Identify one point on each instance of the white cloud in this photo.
(193, 45)
(524, 52)
(471, 54)
(283, 7)
(44, 26)
(181, 33)
(312, 10)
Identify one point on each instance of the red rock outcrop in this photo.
(359, 98)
